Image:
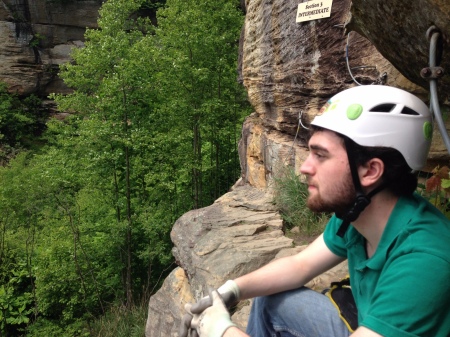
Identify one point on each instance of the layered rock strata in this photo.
(37, 36)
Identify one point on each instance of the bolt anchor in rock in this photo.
(432, 72)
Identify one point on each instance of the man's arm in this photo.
(290, 272)
(280, 275)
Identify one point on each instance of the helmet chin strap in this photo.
(361, 200)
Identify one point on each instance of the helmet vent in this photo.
(408, 111)
(387, 107)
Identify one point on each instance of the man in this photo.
(362, 151)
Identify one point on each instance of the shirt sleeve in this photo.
(411, 297)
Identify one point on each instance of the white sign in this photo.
(313, 10)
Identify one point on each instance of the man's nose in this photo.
(306, 168)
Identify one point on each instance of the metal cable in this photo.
(291, 149)
(434, 100)
(380, 79)
(348, 65)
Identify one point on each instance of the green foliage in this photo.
(290, 196)
(437, 189)
(15, 302)
(153, 133)
(121, 322)
(153, 4)
(17, 229)
(21, 123)
(36, 40)
(44, 327)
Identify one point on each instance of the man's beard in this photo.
(340, 199)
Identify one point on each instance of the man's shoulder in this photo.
(424, 229)
(417, 208)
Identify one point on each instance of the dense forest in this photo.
(87, 202)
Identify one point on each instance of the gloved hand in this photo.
(185, 326)
(230, 294)
(213, 321)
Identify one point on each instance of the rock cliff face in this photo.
(37, 36)
(398, 30)
(289, 70)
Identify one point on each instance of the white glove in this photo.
(229, 293)
(213, 321)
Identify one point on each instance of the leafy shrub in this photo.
(290, 195)
(437, 189)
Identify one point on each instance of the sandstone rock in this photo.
(288, 67)
(239, 233)
(398, 30)
(263, 151)
(37, 36)
(166, 307)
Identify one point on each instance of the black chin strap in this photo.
(361, 200)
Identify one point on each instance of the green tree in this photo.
(112, 89)
(199, 49)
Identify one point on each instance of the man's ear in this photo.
(371, 172)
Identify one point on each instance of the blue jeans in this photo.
(300, 313)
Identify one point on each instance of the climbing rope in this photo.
(432, 73)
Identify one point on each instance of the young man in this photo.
(362, 151)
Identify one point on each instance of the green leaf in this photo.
(445, 183)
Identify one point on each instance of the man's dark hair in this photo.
(397, 175)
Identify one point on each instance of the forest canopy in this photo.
(154, 120)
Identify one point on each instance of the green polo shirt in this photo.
(404, 288)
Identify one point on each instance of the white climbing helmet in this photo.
(376, 115)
